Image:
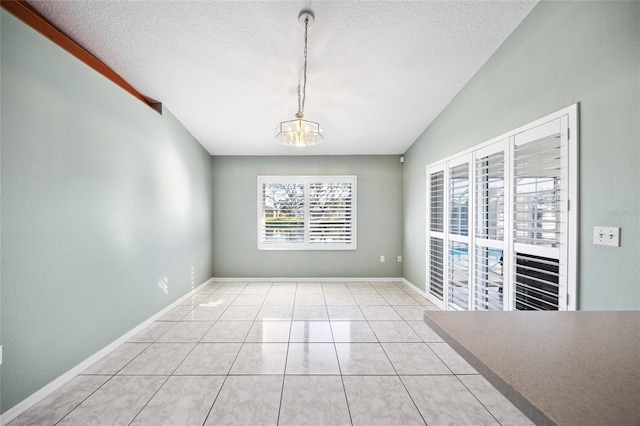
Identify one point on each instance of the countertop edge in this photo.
(534, 414)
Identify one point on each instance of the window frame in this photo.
(307, 181)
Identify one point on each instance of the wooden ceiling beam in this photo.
(30, 16)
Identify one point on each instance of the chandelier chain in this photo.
(304, 74)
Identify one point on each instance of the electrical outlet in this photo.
(606, 236)
(382, 258)
(399, 259)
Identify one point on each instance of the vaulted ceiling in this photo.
(379, 72)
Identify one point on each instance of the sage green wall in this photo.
(104, 203)
(562, 53)
(379, 222)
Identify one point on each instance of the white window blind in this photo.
(307, 212)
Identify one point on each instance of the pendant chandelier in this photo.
(301, 132)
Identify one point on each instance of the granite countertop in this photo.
(565, 368)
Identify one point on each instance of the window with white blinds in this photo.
(500, 232)
(307, 212)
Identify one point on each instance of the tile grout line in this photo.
(286, 358)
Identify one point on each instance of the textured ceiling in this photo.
(379, 72)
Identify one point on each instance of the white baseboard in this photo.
(414, 288)
(305, 279)
(57, 383)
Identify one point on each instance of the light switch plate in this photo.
(606, 236)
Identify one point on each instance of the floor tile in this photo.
(247, 400)
(249, 300)
(443, 400)
(314, 400)
(312, 358)
(152, 332)
(209, 359)
(345, 313)
(380, 313)
(400, 299)
(194, 300)
(410, 313)
(158, 359)
(311, 331)
(204, 313)
(282, 290)
(370, 299)
(308, 288)
(240, 313)
(229, 289)
(384, 291)
(352, 331)
(58, 404)
(256, 289)
(279, 299)
(340, 299)
(275, 313)
(283, 284)
(424, 331)
(335, 289)
(414, 359)
(260, 358)
(309, 299)
(499, 406)
(394, 331)
(227, 331)
(310, 313)
(207, 290)
(421, 300)
(115, 360)
(117, 402)
(176, 313)
(269, 331)
(182, 400)
(380, 400)
(451, 358)
(219, 300)
(186, 332)
(363, 358)
(361, 289)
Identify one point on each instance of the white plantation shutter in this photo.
(539, 215)
(307, 212)
(488, 288)
(281, 213)
(437, 201)
(331, 212)
(501, 234)
(458, 289)
(435, 240)
(459, 208)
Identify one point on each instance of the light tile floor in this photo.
(354, 353)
